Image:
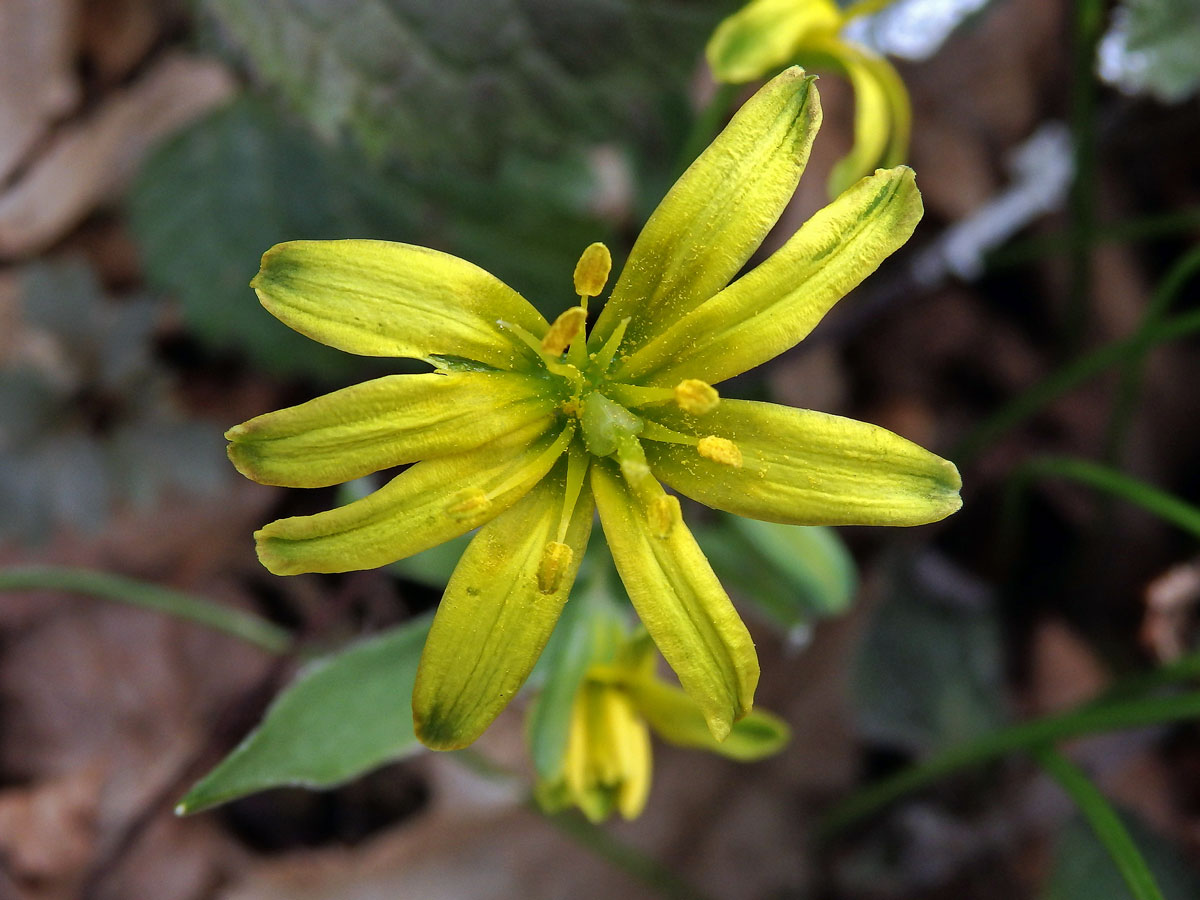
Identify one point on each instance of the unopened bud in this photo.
(564, 330)
(696, 397)
(556, 559)
(720, 450)
(663, 513)
(591, 272)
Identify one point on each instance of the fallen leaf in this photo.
(89, 161)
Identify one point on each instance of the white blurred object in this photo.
(1153, 47)
(1042, 169)
(911, 29)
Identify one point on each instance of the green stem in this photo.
(1088, 24)
(1104, 821)
(1088, 719)
(1066, 379)
(1185, 668)
(650, 872)
(1166, 506)
(235, 622)
(1125, 404)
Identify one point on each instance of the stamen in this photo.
(604, 357)
(551, 362)
(469, 503)
(522, 335)
(720, 450)
(556, 559)
(564, 330)
(637, 395)
(545, 458)
(635, 470)
(591, 272)
(664, 435)
(696, 397)
(632, 459)
(663, 513)
(578, 461)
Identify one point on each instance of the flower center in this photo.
(602, 408)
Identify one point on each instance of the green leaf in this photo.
(236, 622)
(1151, 48)
(210, 202)
(1090, 718)
(342, 716)
(929, 672)
(532, 75)
(1084, 870)
(1105, 822)
(813, 559)
(792, 574)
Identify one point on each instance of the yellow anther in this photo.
(469, 503)
(720, 450)
(556, 559)
(696, 397)
(591, 272)
(564, 330)
(663, 513)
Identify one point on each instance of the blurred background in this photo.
(151, 150)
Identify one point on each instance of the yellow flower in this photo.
(607, 762)
(766, 35)
(525, 426)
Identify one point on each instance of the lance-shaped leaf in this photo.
(773, 307)
(382, 423)
(497, 615)
(718, 212)
(378, 298)
(426, 504)
(680, 601)
(343, 715)
(801, 467)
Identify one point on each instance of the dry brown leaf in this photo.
(37, 72)
(89, 161)
(1171, 611)
(1065, 670)
(47, 832)
(117, 34)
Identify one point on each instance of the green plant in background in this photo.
(767, 35)
(520, 413)
(88, 423)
